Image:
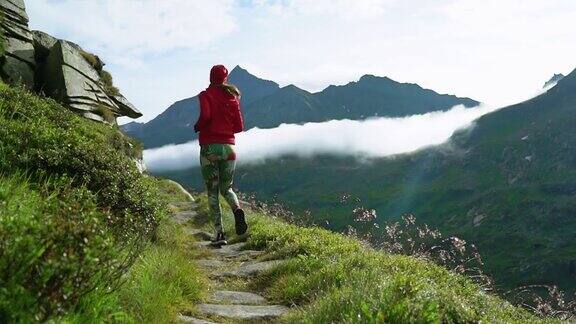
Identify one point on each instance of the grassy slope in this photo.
(53, 223)
(334, 278)
(83, 235)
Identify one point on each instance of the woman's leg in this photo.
(210, 172)
(226, 175)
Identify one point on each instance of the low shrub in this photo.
(78, 219)
(54, 247)
(39, 134)
(93, 60)
(108, 83)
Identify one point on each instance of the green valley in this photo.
(507, 185)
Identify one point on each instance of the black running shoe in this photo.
(240, 221)
(219, 240)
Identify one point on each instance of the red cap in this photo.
(218, 74)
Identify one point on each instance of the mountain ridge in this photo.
(508, 185)
(265, 104)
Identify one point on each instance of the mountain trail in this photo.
(230, 298)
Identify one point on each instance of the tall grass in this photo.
(75, 212)
(333, 278)
(164, 280)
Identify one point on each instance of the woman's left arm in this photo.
(204, 118)
(238, 119)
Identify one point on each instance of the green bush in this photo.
(93, 60)
(107, 114)
(39, 134)
(108, 83)
(54, 247)
(61, 238)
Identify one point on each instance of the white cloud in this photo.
(378, 137)
(493, 51)
(348, 9)
(133, 29)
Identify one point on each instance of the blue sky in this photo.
(160, 51)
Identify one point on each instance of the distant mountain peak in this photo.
(292, 87)
(552, 82)
(241, 75)
(366, 77)
(239, 69)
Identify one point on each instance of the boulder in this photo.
(19, 63)
(43, 43)
(58, 68)
(72, 80)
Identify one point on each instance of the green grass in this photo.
(164, 281)
(334, 278)
(75, 212)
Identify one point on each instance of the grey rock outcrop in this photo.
(19, 64)
(58, 68)
(70, 79)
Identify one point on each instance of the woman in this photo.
(220, 118)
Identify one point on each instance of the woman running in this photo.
(220, 118)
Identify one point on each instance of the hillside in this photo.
(266, 105)
(75, 211)
(506, 185)
(84, 237)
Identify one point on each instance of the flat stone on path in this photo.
(206, 263)
(243, 312)
(236, 251)
(192, 320)
(183, 217)
(250, 269)
(236, 297)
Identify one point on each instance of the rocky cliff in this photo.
(58, 68)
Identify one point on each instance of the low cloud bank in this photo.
(372, 138)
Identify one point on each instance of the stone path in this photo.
(230, 262)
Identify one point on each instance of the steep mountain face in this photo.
(266, 105)
(507, 185)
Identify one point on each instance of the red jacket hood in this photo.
(218, 74)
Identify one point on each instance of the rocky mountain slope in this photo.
(58, 68)
(508, 185)
(267, 105)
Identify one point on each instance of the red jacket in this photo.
(220, 116)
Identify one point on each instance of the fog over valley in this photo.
(370, 138)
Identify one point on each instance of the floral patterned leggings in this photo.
(218, 162)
